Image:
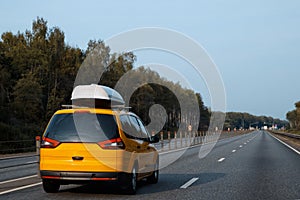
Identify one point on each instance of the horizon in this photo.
(254, 44)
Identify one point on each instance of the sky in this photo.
(254, 44)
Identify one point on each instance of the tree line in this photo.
(294, 118)
(238, 120)
(38, 69)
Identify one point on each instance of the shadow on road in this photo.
(167, 182)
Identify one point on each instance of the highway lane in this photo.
(9, 162)
(252, 166)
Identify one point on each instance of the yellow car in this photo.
(84, 143)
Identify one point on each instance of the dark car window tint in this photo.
(89, 127)
(135, 126)
(144, 132)
(126, 126)
(130, 126)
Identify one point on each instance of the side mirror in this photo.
(154, 139)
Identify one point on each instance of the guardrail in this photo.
(176, 140)
(17, 146)
(295, 136)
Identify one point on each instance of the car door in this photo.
(149, 153)
(141, 147)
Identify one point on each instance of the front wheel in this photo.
(50, 186)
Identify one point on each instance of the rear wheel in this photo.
(50, 186)
(130, 183)
(154, 176)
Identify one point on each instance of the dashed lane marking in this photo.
(221, 159)
(233, 150)
(189, 183)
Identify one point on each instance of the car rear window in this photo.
(82, 127)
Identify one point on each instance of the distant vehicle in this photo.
(83, 144)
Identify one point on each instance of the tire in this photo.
(132, 182)
(153, 179)
(129, 186)
(50, 186)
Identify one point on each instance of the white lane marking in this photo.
(233, 150)
(241, 146)
(31, 162)
(292, 148)
(16, 157)
(245, 143)
(18, 179)
(221, 159)
(20, 188)
(189, 183)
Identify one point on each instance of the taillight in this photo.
(49, 143)
(115, 143)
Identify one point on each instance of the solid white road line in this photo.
(20, 188)
(189, 183)
(285, 144)
(221, 159)
(18, 179)
(233, 150)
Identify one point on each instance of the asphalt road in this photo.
(251, 166)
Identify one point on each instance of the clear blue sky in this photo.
(255, 44)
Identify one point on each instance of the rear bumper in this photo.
(80, 176)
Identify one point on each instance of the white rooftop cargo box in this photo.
(99, 95)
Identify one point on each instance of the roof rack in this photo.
(120, 107)
(72, 106)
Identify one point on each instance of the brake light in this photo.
(49, 143)
(115, 143)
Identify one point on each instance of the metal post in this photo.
(169, 138)
(175, 139)
(162, 140)
(38, 145)
(180, 139)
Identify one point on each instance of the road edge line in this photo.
(292, 148)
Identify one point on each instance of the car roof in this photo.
(95, 111)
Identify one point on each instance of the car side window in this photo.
(129, 127)
(135, 126)
(144, 132)
(126, 127)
